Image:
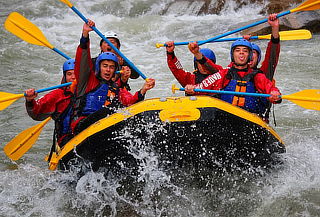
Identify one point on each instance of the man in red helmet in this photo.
(240, 78)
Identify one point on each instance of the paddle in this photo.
(17, 147)
(308, 5)
(308, 99)
(301, 34)
(27, 31)
(7, 99)
(104, 38)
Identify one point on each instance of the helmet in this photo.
(257, 48)
(105, 56)
(68, 65)
(111, 34)
(208, 53)
(241, 42)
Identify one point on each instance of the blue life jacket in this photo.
(252, 104)
(96, 99)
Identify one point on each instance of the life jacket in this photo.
(246, 85)
(103, 95)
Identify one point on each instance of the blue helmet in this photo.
(208, 53)
(241, 42)
(68, 65)
(106, 56)
(257, 48)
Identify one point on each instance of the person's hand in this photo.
(189, 89)
(247, 37)
(149, 84)
(275, 96)
(195, 49)
(170, 46)
(120, 60)
(30, 94)
(273, 20)
(87, 28)
(125, 74)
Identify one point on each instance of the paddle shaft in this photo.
(253, 94)
(301, 7)
(228, 92)
(109, 43)
(61, 53)
(53, 87)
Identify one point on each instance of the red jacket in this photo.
(184, 77)
(53, 103)
(219, 80)
(271, 58)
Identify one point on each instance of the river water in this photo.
(28, 188)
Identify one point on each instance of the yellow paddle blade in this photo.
(308, 5)
(24, 29)
(17, 147)
(7, 99)
(308, 99)
(300, 34)
(67, 3)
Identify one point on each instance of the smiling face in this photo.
(107, 69)
(241, 55)
(70, 76)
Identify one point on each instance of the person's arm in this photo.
(264, 85)
(204, 61)
(273, 50)
(176, 68)
(44, 107)
(83, 70)
(127, 99)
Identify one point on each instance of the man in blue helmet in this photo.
(204, 64)
(97, 92)
(126, 72)
(240, 78)
(55, 104)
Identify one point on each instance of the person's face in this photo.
(105, 47)
(70, 76)
(254, 58)
(107, 69)
(202, 69)
(241, 55)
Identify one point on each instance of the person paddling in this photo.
(96, 89)
(204, 64)
(240, 78)
(270, 62)
(126, 73)
(55, 104)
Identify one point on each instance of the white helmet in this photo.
(111, 34)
